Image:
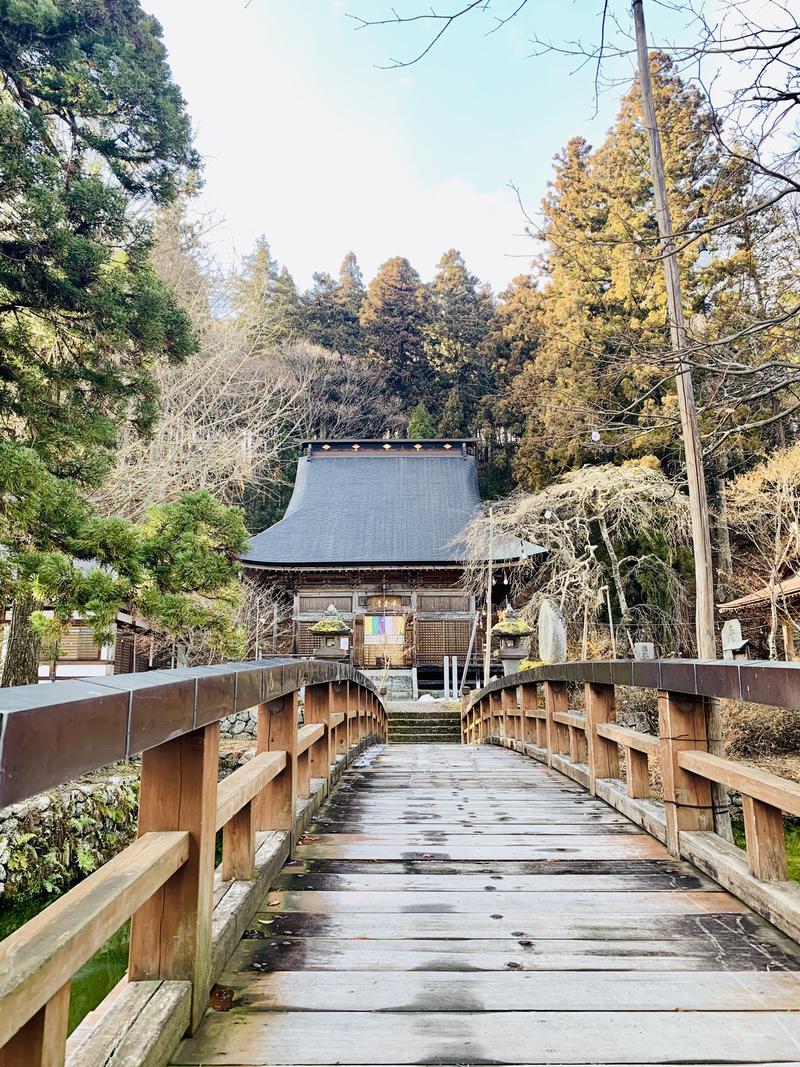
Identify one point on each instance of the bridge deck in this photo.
(465, 905)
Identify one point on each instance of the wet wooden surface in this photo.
(465, 905)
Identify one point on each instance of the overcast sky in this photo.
(307, 141)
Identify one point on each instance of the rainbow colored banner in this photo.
(384, 629)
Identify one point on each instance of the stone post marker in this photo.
(732, 639)
(552, 634)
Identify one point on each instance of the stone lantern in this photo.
(335, 635)
(512, 631)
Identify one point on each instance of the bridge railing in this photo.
(530, 712)
(165, 881)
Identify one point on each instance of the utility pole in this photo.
(698, 500)
(487, 653)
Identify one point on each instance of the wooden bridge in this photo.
(523, 898)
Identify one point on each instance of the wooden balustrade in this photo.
(165, 881)
(586, 745)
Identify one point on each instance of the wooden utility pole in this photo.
(487, 654)
(695, 476)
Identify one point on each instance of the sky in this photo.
(307, 141)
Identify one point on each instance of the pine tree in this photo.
(393, 318)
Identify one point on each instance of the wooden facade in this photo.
(375, 528)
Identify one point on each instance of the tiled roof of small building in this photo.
(365, 503)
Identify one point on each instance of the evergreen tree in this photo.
(460, 311)
(420, 424)
(393, 318)
(91, 128)
(598, 331)
(265, 297)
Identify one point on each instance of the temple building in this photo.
(374, 528)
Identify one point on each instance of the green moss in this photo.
(512, 628)
(330, 626)
(529, 664)
(331, 623)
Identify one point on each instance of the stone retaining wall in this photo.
(52, 840)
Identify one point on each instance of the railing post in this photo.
(556, 699)
(637, 771)
(41, 1041)
(687, 797)
(765, 840)
(508, 698)
(528, 702)
(171, 933)
(497, 722)
(603, 755)
(277, 732)
(338, 691)
(317, 709)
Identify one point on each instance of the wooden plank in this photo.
(307, 735)
(761, 785)
(586, 903)
(40, 958)
(246, 782)
(600, 847)
(355, 991)
(570, 718)
(628, 738)
(468, 1035)
(456, 955)
(493, 882)
(493, 924)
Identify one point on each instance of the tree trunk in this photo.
(724, 551)
(21, 665)
(616, 576)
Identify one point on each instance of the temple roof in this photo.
(379, 502)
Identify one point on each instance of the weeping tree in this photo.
(613, 534)
(763, 507)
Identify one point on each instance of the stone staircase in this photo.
(424, 722)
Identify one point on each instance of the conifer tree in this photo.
(459, 314)
(92, 129)
(266, 299)
(420, 424)
(393, 317)
(601, 322)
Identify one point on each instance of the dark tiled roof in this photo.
(367, 508)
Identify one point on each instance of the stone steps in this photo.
(427, 724)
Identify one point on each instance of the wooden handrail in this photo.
(164, 882)
(628, 738)
(570, 718)
(40, 958)
(761, 785)
(587, 749)
(307, 735)
(50, 734)
(246, 782)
